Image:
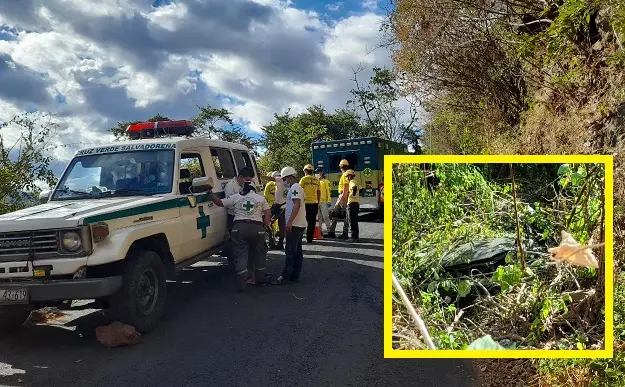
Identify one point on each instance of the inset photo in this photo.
(498, 256)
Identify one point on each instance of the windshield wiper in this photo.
(79, 194)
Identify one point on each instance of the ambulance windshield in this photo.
(133, 173)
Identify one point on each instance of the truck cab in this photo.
(122, 218)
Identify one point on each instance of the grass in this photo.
(435, 213)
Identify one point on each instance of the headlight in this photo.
(71, 241)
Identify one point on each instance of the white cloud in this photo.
(124, 60)
(370, 4)
(333, 7)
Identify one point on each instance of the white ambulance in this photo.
(121, 220)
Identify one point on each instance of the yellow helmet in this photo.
(350, 172)
(343, 163)
(308, 167)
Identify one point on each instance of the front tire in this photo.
(142, 298)
(12, 317)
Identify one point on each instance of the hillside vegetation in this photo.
(529, 77)
(456, 242)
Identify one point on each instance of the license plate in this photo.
(17, 296)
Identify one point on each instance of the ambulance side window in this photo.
(335, 158)
(224, 165)
(192, 162)
(191, 166)
(243, 160)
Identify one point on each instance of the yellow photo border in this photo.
(607, 352)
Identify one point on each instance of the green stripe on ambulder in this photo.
(365, 156)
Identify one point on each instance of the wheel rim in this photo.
(147, 292)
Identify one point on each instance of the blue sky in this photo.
(96, 64)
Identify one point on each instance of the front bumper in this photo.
(59, 290)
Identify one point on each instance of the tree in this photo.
(462, 46)
(288, 138)
(343, 123)
(378, 103)
(287, 141)
(24, 163)
(217, 123)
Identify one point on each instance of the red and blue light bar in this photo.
(160, 128)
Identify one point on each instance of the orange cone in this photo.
(317, 233)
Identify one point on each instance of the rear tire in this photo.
(142, 298)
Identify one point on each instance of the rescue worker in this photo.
(353, 206)
(381, 204)
(233, 187)
(251, 216)
(277, 207)
(341, 202)
(324, 200)
(295, 226)
(312, 192)
(270, 191)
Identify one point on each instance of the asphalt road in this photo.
(324, 331)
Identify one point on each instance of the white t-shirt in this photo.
(296, 192)
(250, 206)
(232, 187)
(281, 192)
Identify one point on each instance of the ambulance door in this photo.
(201, 224)
(223, 169)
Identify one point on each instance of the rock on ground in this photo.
(117, 335)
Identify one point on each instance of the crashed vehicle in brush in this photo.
(467, 267)
(122, 218)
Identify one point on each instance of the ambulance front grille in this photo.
(22, 244)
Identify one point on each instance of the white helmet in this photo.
(275, 174)
(288, 171)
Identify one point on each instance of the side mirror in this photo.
(44, 196)
(202, 184)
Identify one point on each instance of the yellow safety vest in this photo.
(353, 197)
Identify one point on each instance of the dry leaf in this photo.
(573, 253)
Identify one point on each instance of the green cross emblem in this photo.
(294, 193)
(203, 221)
(248, 206)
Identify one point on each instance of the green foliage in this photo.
(288, 138)
(507, 276)
(470, 202)
(603, 372)
(572, 22)
(218, 123)
(288, 142)
(23, 163)
(377, 104)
